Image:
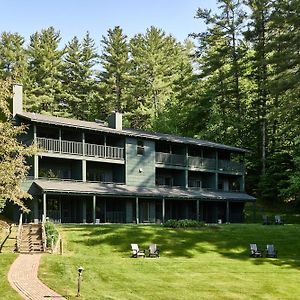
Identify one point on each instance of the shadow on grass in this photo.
(230, 241)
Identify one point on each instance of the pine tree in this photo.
(78, 78)
(221, 62)
(44, 73)
(155, 62)
(114, 76)
(13, 62)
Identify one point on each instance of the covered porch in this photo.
(78, 202)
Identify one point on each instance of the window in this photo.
(140, 147)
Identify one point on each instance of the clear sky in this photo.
(75, 17)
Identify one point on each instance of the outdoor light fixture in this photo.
(80, 271)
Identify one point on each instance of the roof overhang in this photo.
(94, 126)
(119, 190)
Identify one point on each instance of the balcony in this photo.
(78, 148)
(231, 166)
(170, 159)
(196, 162)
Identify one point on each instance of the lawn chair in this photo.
(136, 252)
(278, 220)
(153, 251)
(271, 251)
(266, 220)
(254, 251)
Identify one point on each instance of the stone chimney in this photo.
(115, 120)
(17, 102)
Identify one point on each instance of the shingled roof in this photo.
(101, 127)
(93, 188)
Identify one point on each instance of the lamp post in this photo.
(80, 271)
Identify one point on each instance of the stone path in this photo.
(22, 276)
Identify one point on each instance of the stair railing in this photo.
(44, 238)
(19, 233)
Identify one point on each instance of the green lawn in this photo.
(6, 259)
(211, 263)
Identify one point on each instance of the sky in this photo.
(76, 17)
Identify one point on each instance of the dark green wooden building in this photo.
(96, 172)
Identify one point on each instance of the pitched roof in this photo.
(72, 187)
(66, 122)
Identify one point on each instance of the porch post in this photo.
(197, 210)
(94, 209)
(163, 209)
(84, 211)
(35, 211)
(59, 138)
(36, 157)
(227, 211)
(83, 170)
(137, 210)
(44, 206)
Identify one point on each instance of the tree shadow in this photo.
(230, 241)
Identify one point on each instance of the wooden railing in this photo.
(170, 159)
(76, 148)
(198, 162)
(232, 166)
(44, 237)
(201, 163)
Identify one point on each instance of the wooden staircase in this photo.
(31, 239)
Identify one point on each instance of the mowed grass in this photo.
(209, 263)
(6, 259)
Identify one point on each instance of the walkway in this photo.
(22, 276)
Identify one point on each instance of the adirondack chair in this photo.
(136, 252)
(153, 251)
(278, 220)
(266, 220)
(254, 251)
(271, 251)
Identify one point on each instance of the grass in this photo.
(210, 263)
(6, 259)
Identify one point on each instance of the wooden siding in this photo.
(140, 169)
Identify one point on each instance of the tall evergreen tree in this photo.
(114, 76)
(13, 62)
(221, 61)
(155, 62)
(44, 73)
(78, 77)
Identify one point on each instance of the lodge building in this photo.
(96, 172)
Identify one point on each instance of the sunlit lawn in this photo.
(194, 264)
(6, 259)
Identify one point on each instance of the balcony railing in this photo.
(201, 163)
(198, 162)
(232, 166)
(170, 159)
(76, 148)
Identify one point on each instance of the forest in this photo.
(236, 83)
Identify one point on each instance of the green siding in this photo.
(140, 169)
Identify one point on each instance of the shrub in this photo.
(183, 223)
(51, 230)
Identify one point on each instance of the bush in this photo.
(183, 223)
(51, 230)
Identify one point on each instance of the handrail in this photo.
(19, 233)
(79, 148)
(44, 239)
(6, 238)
